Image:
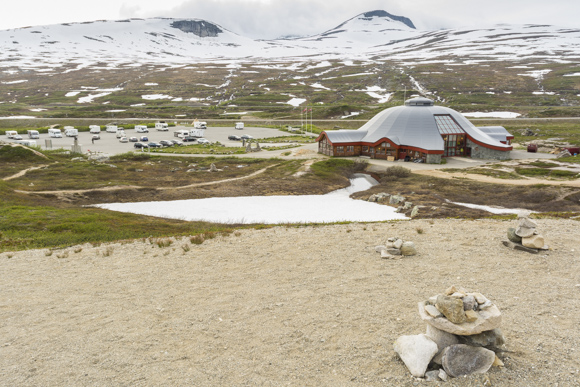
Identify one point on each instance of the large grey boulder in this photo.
(416, 352)
(460, 359)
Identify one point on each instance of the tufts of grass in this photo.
(197, 239)
(397, 172)
(185, 248)
(419, 230)
(108, 251)
(164, 242)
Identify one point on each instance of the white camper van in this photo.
(95, 129)
(121, 133)
(55, 133)
(141, 129)
(239, 125)
(70, 131)
(111, 129)
(11, 133)
(33, 134)
(199, 124)
(197, 132)
(181, 133)
(162, 126)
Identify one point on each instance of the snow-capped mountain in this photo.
(375, 35)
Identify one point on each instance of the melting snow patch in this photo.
(17, 117)
(572, 75)
(138, 104)
(296, 101)
(352, 114)
(71, 93)
(151, 84)
(37, 110)
(319, 86)
(156, 96)
(492, 115)
(115, 111)
(493, 210)
(15, 82)
(91, 97)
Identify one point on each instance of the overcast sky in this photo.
(269, 19)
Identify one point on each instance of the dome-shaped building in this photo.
(417, 131)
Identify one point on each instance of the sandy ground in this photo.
(308, 306)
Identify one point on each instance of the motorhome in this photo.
(55, 133)
(26, 142)
(111, 129)
(181, 133)
(11, 133)
(199, 124)
(121, 133)
(141, 129)
(197, 132)
(239, 125)
(69, 131)
(95, 129)
(33, 134)
(162, 126)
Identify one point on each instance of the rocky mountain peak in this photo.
(201, 28)
(381, 13)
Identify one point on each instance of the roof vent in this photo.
(419, 102)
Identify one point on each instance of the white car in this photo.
(17, 137)
(123, 139)
(203, 141)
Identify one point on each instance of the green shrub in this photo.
(397, 172)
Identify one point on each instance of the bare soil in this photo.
(282, 306)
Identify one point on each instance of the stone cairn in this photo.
(462, 337)
(394, 248)
(525, 237)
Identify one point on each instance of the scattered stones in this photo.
(415, 211)
(525, 237)
(213, 168)
(396, 199)
(395, 247)
(416, 352)
(379, 197)
(464, 326)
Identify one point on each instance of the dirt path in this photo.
(23, 172)
(488, 179)
(63, 193)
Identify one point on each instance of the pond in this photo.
(335, 206)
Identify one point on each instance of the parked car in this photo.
(139, 145)
(234, 138)
(177, 142)
(203, 141)
(166, 143)
(154, 145)
(17, 137)
(133, 139)
(123, 139)
(143, 138)
(189, 138)
(95, 137)
(246, 137)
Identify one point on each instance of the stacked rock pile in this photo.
(462, 337)
(395, 247)
(525, 236)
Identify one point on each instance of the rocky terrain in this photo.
(283, 306)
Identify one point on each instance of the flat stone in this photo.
(517, 246)
(441, 338)
(396, 199)
(497, 362)
(452, 308)
(511, 234)
(487, 320)
(433, 311)
(398, 243)
(471, 315)
(460, 359)
(432, 376)
(469, 303)
(408, 248)
(393, 251)
(414, 211)
(454, 289)
(489, 339)
(443, 375)
(479, 298)
(525, 232)
(527, 223)
(533, 242)
(386, 255)
(379, 249)
(416, 352)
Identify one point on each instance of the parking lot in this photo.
(109, 143)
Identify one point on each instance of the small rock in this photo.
(471, 315)
(393, 251)
(517, 246)
(441, 338)
(452, 308)
(433, 311)
(432, 376)
(527, 223)
(407, 206)
(396, 199)
(511, 234)
(534, 242)
(469, 302)
(379, 249)
(525, 232)
(442, 375)
(497, 362)
(461, 359)
(490, 339)
(408, 248)
(398, 243)
(416, 352)
(415, 211)
(386, 255)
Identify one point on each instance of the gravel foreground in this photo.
(284, 306)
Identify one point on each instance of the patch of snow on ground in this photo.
(156, 96)
(37, 110)
(15, 82)
(296, 101)
(89, 98)
(357, 75)
(115, 111)
(151, 84)
(493, 210)
(543, 92)
(572, 75)
(17, 117)
(270, 209)
(492, 115)
(319, 86)
(71, 93)
(138, 104)
(537, 74)
(352, 114)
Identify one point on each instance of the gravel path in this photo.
(307, 306)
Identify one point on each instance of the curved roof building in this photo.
(416, 131)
